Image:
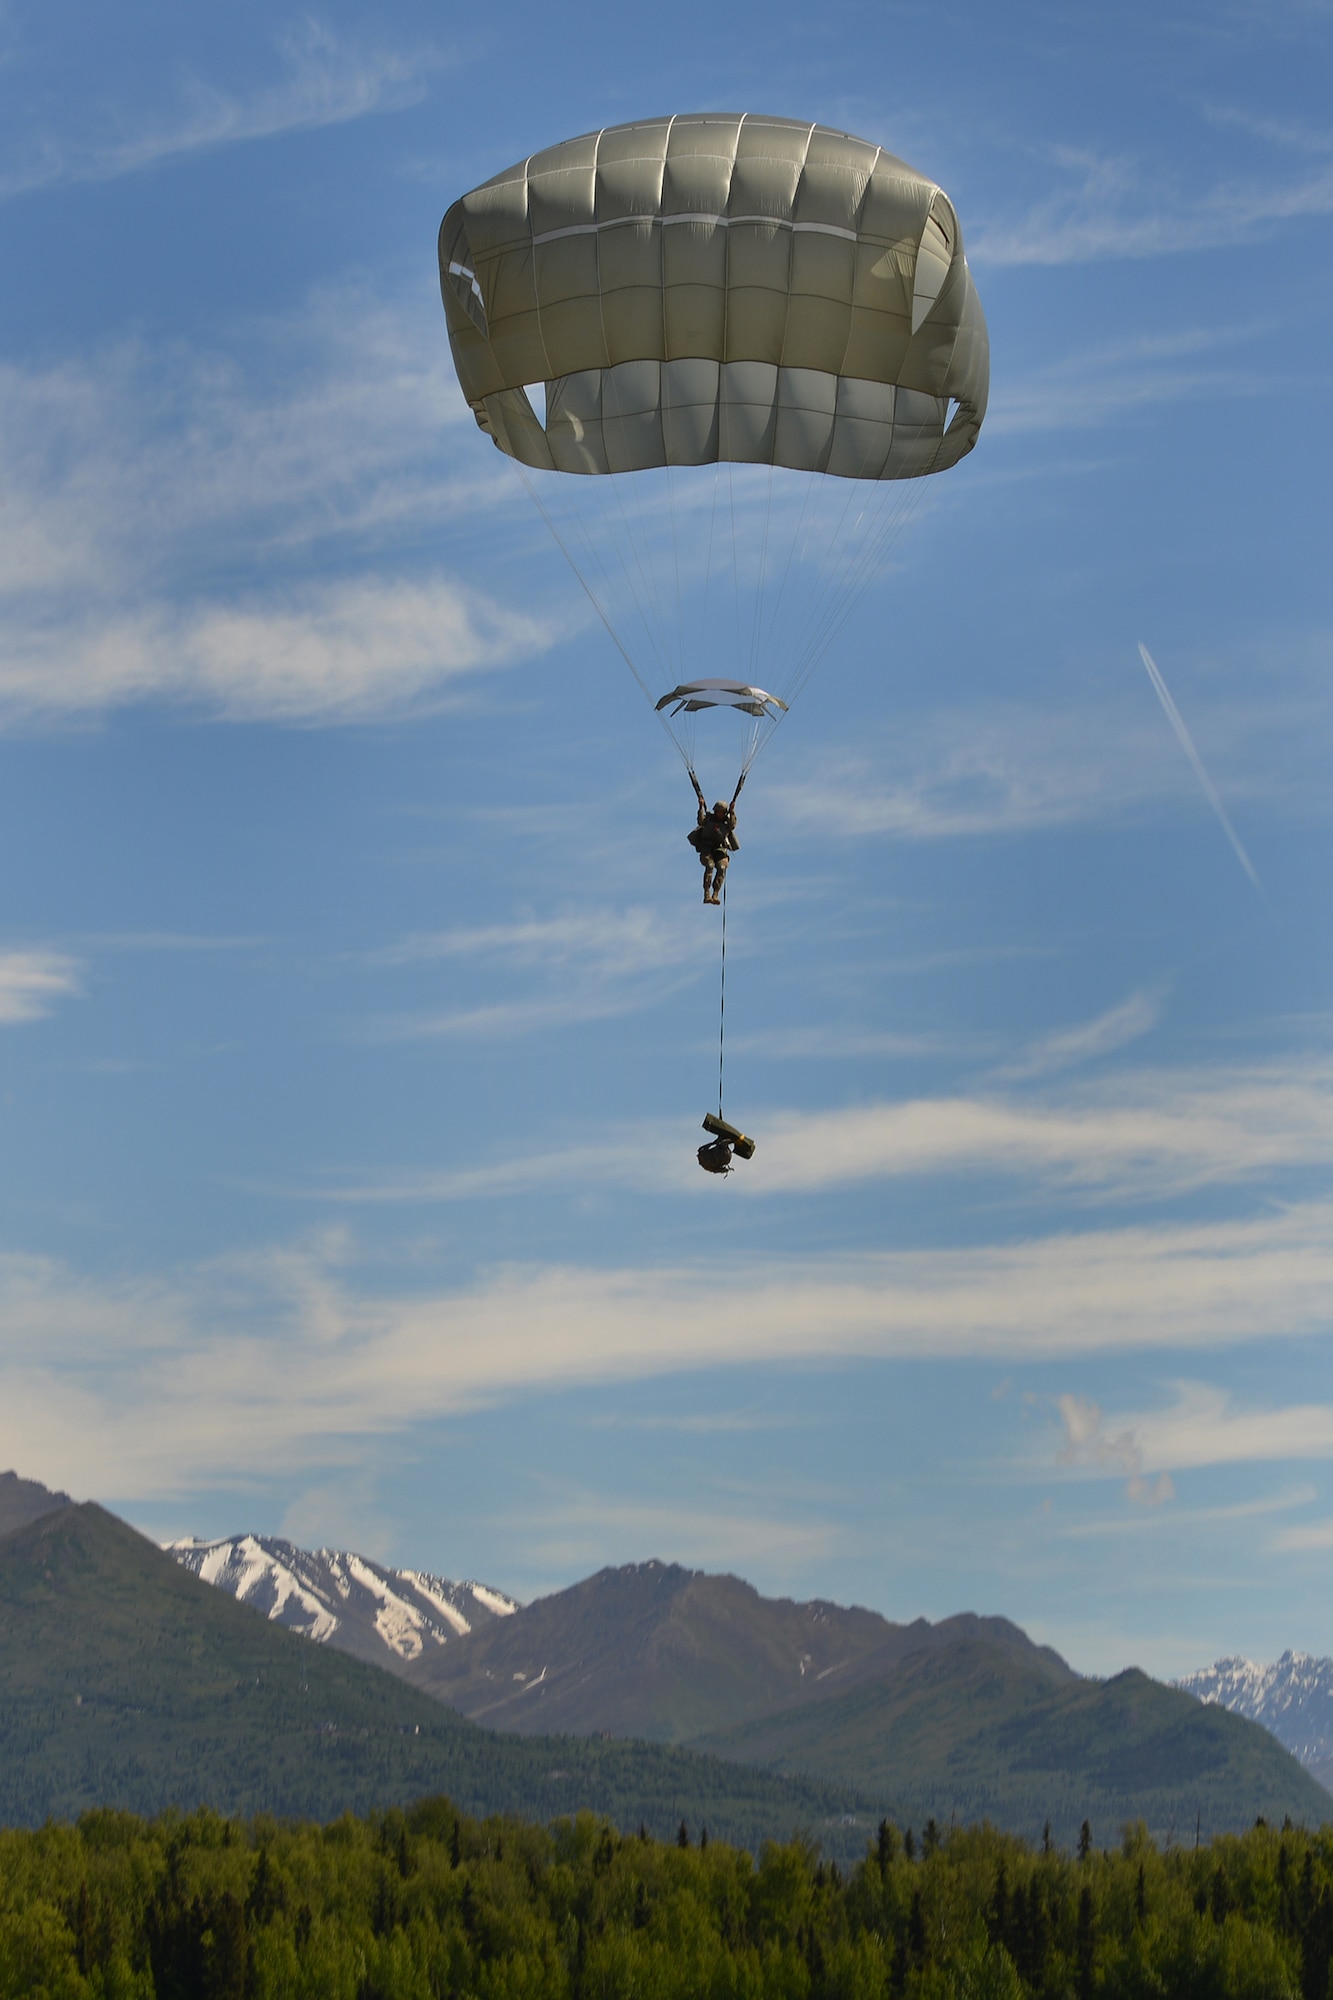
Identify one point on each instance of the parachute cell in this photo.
(716, 288)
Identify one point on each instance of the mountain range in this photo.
(1293, 1698)
(127, 1681)
(665, 1653)
(966, 1717)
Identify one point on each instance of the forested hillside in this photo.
(403, 1906)
(126, 1682)
(966, 1731)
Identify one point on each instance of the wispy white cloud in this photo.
(1106, 207)
(1067, 1047)
(1224, 1517)
(138, 481)
(604, 941)
(1210, 1426)
(626, 1158)
(331, 427)
(31, 982)
(1307, 1538)
(590, 965)
(504, 1020)
(962, 776)
(328, 81)
(1144, 1135)
(1111, 383)
(1203, 1426)
(155, 1387)
(698, 1423)
(1294, 135)
(1097, 756)
(1088, 1442)
(345, 652)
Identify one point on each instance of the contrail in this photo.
(1186, 742)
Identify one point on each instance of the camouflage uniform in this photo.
(714, 840)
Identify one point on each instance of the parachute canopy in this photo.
(716, 288)
(691, 696)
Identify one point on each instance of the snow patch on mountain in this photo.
(337, 1597)
(450, 1611)
(1292, 1698)
(492, 1600)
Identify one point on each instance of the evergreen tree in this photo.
(916, 1932)
(998, 1924)
(1085, 1947)
(1317, 1947)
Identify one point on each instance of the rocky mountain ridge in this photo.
(372, 1610)
(1292, 1698)
(24, 1500)
(667, 1653)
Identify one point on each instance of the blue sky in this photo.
(357, 1010)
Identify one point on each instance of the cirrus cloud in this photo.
(165, 1385)
(32, 981)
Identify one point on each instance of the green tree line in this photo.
(427, 1903)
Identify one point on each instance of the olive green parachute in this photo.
(772, 329)
(710, 287)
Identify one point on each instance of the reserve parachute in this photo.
(724, 353)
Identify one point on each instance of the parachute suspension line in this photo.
(587, 588)
(851, 575)
(649, 622)
(859, 573)
(756, 624)
(794, 544)
(708, 557)
(722, 1010)
(848, 581)
(735, 567)
(840, 553)
(849, 563)
(646, 578)
(675, 542)
(592, 598)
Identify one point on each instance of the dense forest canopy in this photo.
(425, 1903)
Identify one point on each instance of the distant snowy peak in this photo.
(1293, 1699)
(337, 1597)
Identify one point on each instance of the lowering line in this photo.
(722, 1014)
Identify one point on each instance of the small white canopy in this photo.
(691, 696)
